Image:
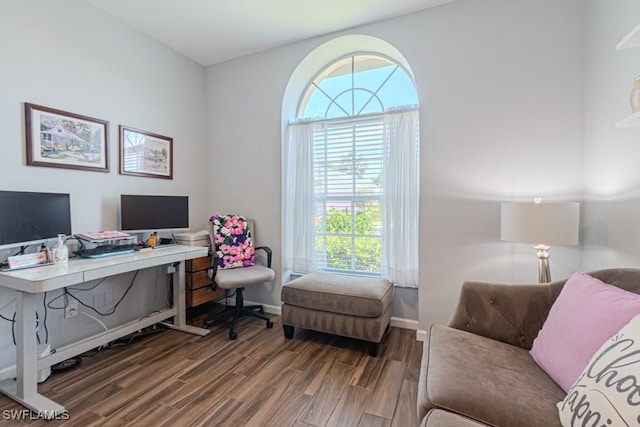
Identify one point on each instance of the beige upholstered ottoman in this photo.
(350, 306)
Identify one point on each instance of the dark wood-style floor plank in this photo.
(261, 379)
(369, 420)
(405, 413)
(385, 395)
(279, 408)
(328, 395)
(155, 416)
(350, 408)
(399, 344)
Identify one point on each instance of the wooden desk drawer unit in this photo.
(198, 285)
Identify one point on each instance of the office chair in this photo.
(234, 264)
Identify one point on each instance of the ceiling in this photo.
(213, 31)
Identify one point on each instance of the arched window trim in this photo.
(304, 98)
(297, 220)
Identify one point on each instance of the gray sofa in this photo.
(477, 370)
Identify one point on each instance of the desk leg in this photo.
(179, 302)
(24, 389)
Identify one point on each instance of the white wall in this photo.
(501, 90)
(72, 56)
(612, 175)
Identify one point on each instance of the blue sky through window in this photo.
(343, 94)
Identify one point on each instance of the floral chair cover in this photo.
(232, 241)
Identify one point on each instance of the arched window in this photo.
(351, 162)
(358, 85)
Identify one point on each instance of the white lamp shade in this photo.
(540, 223)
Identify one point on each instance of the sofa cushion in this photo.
(335, 293)
(585, 315)
(440, 418)
(486, 380)
(608, 390)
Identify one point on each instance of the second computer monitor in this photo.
(140, 213)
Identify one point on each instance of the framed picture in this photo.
(60, 139)
(145, 154)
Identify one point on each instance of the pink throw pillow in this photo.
(587, 313)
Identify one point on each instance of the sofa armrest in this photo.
(513, 314)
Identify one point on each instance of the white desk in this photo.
(29, 282)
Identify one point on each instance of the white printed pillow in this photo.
(607, 393)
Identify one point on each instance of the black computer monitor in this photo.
(28, 218)
(140, 213)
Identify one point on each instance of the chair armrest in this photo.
(513, 314)
(269, 253)
(214, 265)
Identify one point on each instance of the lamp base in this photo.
(544, 273)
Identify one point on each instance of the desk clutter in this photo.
(102, 236)
(106, 250)
(100, 244)
(104, 243)
(28, 260)
(198, 238)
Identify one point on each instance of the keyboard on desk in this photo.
(106, 250)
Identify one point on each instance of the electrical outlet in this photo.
(71, 310)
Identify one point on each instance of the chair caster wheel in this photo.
(269, 324)
(232, 335)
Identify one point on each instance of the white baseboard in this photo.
(271, 309)
(400, 322)
(10, 371)
(409, 324)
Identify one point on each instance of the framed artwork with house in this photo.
(60, 139)
(145, 153)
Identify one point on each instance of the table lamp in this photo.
(541, 224)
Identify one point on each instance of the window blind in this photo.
(347, 170)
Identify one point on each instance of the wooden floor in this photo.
(260, 379)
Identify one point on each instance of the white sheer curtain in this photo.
(399, 204)
(298, 200)
(400, 199)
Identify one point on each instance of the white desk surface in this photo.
(79, 270)
(30, 281)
